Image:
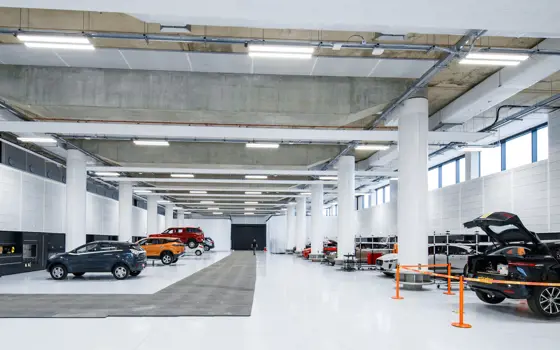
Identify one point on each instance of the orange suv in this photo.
(168, 250)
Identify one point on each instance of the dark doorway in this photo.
(242, 236)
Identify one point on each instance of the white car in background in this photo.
(458, 255)
(198, 250)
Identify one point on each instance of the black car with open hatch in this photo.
(518, 255)
(122, 259)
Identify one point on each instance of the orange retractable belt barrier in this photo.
(398, 278)
(461, 324)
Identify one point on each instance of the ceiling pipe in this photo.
(244, 41)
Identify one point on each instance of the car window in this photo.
(512, 251)
(167, 231)
(454, 250)
(181, 230)
(144, 241)
(106, 247)
(190, 229)
(87, 248)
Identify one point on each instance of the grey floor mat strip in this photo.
(225, 288)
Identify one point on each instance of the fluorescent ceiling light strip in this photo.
(474, 149)
(206, 202)
(281, 48)
(301, 56)
(371, 147)
(262, 145)
(489, 62)
(142, 191)
(250, 209)
(213, 208)
(63, 39)
(496, 56)
(251, 202)
(256, 177)
(164, 201)
(183, 175)
(253, 192)
(107, 173)
(177, 208)
(217, 213)
(248, 213)
(151, 142)
(328, 178)
(37, 139)
(59, 46)
(198, 192)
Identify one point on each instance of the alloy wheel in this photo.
(550, 300)
(58, 272)
(120, 272)
(167, 259)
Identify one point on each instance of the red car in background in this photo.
(328, 246)
(191, 236)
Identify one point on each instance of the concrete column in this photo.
(125, 211)
(152, 214)
(181, 217)
(472, 165)
(412, 214)
(300, 224)
(169, 215)
(346, 206)
(76, 187)
(291, 227)
(394, 187)
(317, 231)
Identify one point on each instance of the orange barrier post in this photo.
(449, 292)
(461, 324)
(398, 278)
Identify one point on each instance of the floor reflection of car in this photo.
(441, 253)
(519, 255)
(168, 250)
(122, 259)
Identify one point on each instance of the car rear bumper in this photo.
(512, 291)
(139, 265)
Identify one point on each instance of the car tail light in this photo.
(522, 264)
(509, 291)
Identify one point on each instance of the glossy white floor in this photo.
(299, 304)
(151, 280)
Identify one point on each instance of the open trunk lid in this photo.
(503, 228)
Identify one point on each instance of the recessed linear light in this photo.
(250, 209)
(306, 193)
(206, 202)
(249, 213)
(198, 192)
(281, 49)
(394, 178)
(474, 149)
(217, 213)
(496, 56)
(37, 139)
(300, 56)
(371, 147)
(151, 143)
(188, 212)
(163, 201)
(253, 193)
(107, 173)
(213, 208)
(489, 62)
(60, 46)
(262, 145)
(142, 191)
(261, 177)
(53, 39)
(328, 178)
(251, 202)
(177, 208)
(182, 175)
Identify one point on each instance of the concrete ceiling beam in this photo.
(218, 134)
(217, 181)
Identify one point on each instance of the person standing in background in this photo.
(254, 246)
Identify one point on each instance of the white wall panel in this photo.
(331, 228)
(161, 223)
(472, 204)
(435, 211)
(530, 195)
(497, 192)
(10, 199)
(249, 219)
(55, 207)
(110, 213)
(276, 232)
(450, 209)
(218, 229)
(139, 222)
(33, 203)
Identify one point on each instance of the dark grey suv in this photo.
(122, 259)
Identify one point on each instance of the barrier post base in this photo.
(461, 325)
(448, 293)
(396, 297)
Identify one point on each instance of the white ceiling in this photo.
(214, 62)
(506, 17)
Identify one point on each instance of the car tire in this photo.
(59, 272)
(120, 271)
(389, 274)
(135, 273)
(545, 302)
(489, 298)
(191, 243)
(175, 259)
(206, 248)
(78, 274)
(166, 258)
(198, 253)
